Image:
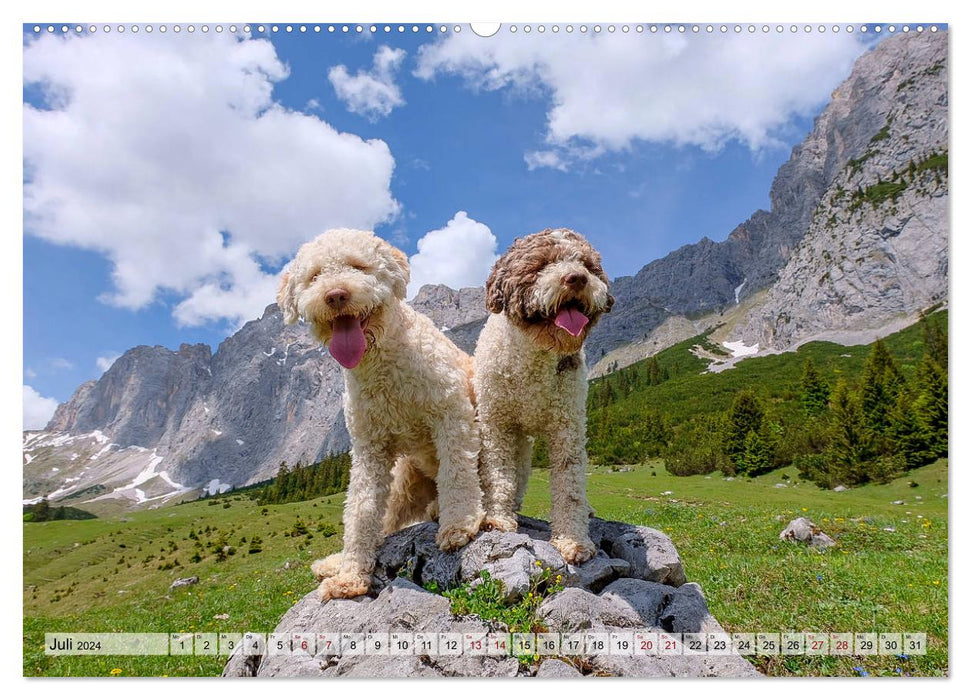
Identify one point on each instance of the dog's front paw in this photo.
(451, 537)
(502, 523)
(343, 586)
(574, 551)
(327, 567)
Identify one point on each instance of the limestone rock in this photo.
(634, 582)
(805, 530)
(554, 668)
(875, 252)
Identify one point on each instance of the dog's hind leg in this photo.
(412, 492)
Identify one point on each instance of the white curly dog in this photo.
(407, 401)
(545, 294)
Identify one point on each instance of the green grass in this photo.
(727, 535)
(726, 532)
(73, 581)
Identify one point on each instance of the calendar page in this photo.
(527, 349)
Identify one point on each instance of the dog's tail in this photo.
(328, 566)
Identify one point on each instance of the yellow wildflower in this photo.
(116, 672)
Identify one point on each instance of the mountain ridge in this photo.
(162, 423)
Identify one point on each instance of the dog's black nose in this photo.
(338, 296)
(577, 280)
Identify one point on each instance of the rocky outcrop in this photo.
(876, 251)
(448, 307)
(460, 313)
(635, 582)
(203, 420)
(901, 83)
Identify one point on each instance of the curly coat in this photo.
(530, 379)
(407, 401)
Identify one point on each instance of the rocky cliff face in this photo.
(159, 422)
(460, 313)
(876, 250)
(707, 277)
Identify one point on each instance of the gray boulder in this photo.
(806, 531)
(184, 582)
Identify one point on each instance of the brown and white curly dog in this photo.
(530, 379)
(407, 400)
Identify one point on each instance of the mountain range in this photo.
(854, 245)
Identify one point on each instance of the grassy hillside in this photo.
(104, 576)
(690, 391)
(633, 416)
(727, 532)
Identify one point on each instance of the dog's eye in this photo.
(359, 266)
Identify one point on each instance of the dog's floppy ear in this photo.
(403, 276)
(495, 293)
(595, 264)
(286, 298)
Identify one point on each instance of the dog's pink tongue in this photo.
(347, 343)
(572, 321)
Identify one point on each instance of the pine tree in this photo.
(815, 390)
(745, 415)
(935, 340)
(930, 406)
(882, 382)
(906, 435)
(756, 456)
(42, 510)
(852, 444)
(653, 371)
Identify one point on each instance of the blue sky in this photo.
(168, 178)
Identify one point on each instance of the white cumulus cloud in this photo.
(607, 91)
(168, 155)
(38, 409)
(104, 363)
(459, 255)
(372, 94)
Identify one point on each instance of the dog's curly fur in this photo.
(530, 380)
(408, 403)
